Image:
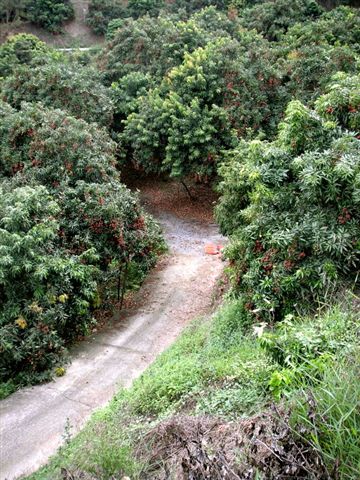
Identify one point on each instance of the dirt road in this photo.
(33, 420)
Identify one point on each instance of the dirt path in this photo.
(75, 33)
(33, 420)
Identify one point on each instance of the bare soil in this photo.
(75, 33)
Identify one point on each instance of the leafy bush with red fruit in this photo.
(72, 237)
(227, 90)
(341, 102)
(47, 293)
(76, 90)
(291, 208)
(23, 49)
(51, 148)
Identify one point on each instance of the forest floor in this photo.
(36, 420)
(75, 33)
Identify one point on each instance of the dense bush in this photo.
(49, 14)
(72, 220)
(12, 10)
(75, 90)
(311, 68)
(46, 292)
(219, 92)
(154, 46)
(101, 12)
(273, 18)
(126, 93)
(22, 49)
(291, 208)
(342, 101)
(337, 27)
(51, 148)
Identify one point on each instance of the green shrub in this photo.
(78, 91)
(310, 69)
(12, 11)
(329, 418)
(49, 14)
(306, 348)
(217, 94)
(101, 12)
(91, 223)
(126, 92)
(291, 208)
(154, 46)
(337, 27)
(312, 52)
(46, 293)
(22, 49)
(341, 103)
(273, 18)
(51, 147)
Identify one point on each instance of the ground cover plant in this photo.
(147, 431)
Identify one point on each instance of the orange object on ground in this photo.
(212, 249)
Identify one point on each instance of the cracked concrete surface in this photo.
(33, 420)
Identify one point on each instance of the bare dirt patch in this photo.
(170, 196)
(75, 33)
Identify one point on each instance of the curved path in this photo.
(33, 420)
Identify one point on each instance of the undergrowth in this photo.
(223, 368)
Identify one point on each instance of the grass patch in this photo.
(7, 388)
(220, 369)
(330, 415)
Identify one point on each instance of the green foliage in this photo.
(138, 8)
(312, 52)
(21, 49)
(154, 46)
(75, 220)
(273, 18)
(103, 15)
(337, 27)
(341, 103)
(78, 91)
(310, 68)
(200, 364)
(49, 14)
(46, 293)
(217, 94)
(7, 388)
(228, 373)
(51, 147)
(291, 208)
(306, 348)
(101, 12)
(12, 10)
(330, 417)
(126, 92)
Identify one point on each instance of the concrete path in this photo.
(33, 420)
